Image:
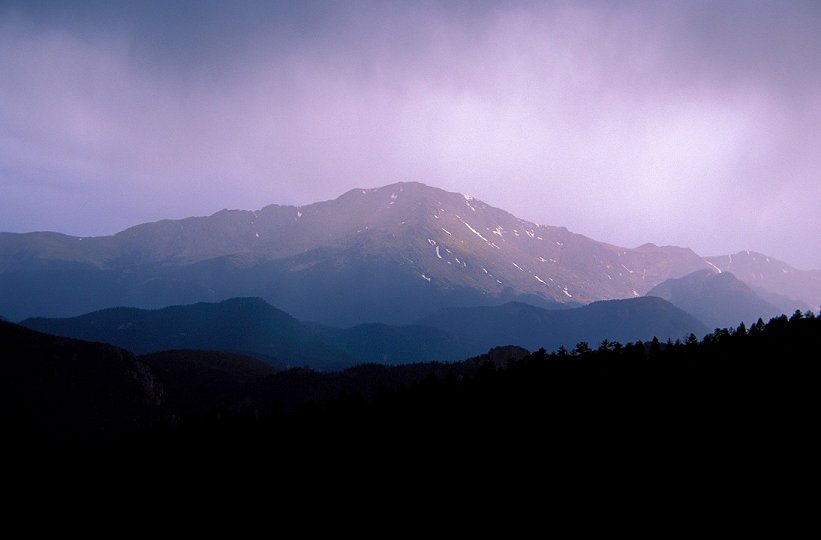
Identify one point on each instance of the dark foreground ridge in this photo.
(737, 395)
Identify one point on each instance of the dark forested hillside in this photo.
(61, 391)
(198, 383)
(747, 388)
(732, 399)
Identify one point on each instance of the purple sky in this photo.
(687, 123)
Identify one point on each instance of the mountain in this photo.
(531, 327)
(781, 302)
(197, 383)
(391, 255)
(250, 326)
(56, 390)
(236, 416)
(718, 299)
(241, 325)
(776, 281)
(394, 345)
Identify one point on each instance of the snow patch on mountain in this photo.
(714, 266)
(474, 231)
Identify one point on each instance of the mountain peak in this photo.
(719, 299)
(410, 186)
(401, 250)
(413, 189)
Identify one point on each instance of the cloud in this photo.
(695, 125)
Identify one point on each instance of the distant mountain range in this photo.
(776, 282)
(391, 255)
(718, 299)
(251, 327)
(521, 324)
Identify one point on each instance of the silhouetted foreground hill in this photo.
(732, 400)
(66, 393)
(736, 402)
(58, 390)
(198, 383)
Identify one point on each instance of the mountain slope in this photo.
(240, 325)
(392, 255)
(720, 300)
(531, 327)
(773, 276)
(204, 382)
(60, 390)
(251, 326)
(393, 345)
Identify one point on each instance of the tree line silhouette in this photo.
(736, 396)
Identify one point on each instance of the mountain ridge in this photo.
(718, 299)
(613, 320)
(251, 327)
(406, 248)
(761, 271)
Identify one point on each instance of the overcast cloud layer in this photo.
(687, 123)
